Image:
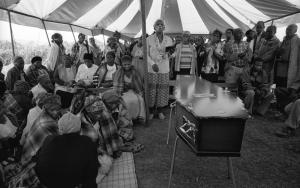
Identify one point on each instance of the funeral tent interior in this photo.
(94, 17)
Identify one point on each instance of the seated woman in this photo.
(128, 84)
(104, 75)
(64, 77)
(86, 71)
(43, 126)
(44, 86)
(23, 98)
(34, 70)
(255, 88)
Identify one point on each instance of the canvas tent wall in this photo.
(102, 16)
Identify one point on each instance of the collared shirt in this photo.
(86, 74)
(157, 53)
(42, 127)
(234, 49)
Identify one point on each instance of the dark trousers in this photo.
(284, 96)
(66, 98)
(210, 77)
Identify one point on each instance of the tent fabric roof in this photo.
(197, 16)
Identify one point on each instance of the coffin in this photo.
(209, 119)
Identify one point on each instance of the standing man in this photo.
(158, 69)
(267, 51)
(260, 34)
(250, 34)
(287, 72)
(16, 73)
(238, 55)
(79, 49)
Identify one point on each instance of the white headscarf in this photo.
(69, 123)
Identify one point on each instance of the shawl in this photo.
(178, 57)
(294, 63)
(118, 81)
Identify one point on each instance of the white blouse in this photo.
(157, 53)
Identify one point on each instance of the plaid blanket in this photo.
(96, 111)
(42, 127)
(119, 85)
(11, 104)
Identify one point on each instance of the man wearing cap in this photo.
(86, 71)
(34, 70)
(79, 49)
(43, 126)
(15, 73)
(69, 159)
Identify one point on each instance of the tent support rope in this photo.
(142, 3)
(46, 32)
(11, 34)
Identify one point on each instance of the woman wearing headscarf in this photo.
(128, 84)
(158, 69)
(35, 70)
(44, 86)
(43, 126)
(34, 114)
(23, 98)
(15, 73)
(104, 75)
(97, 117)
(56, 53)
(69, 159)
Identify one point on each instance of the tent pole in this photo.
(73, 33)
(11, 34)
(46, 32)
(142, 2)
(103, 38)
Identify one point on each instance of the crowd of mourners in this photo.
(67, 115)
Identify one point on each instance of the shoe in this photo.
(151, 116)
(286, 132)
(161, 116)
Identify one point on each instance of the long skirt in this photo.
(158, 89)
(139, 66)
(135, 105)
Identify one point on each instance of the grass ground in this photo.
(266, 160)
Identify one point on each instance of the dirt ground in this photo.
(266, 160)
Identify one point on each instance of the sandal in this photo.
(132, 147)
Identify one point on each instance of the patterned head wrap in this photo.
(50, 101)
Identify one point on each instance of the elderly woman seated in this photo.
(43, 126)
(86, 71)
(104, 75)
(64, 77)
(255, 88)
(69, 159)
(128, 84)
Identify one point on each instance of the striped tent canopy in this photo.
(103, 16)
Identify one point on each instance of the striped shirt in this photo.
(186, 57)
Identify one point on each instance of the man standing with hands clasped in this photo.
(158, 69)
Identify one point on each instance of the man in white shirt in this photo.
(86, 71)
